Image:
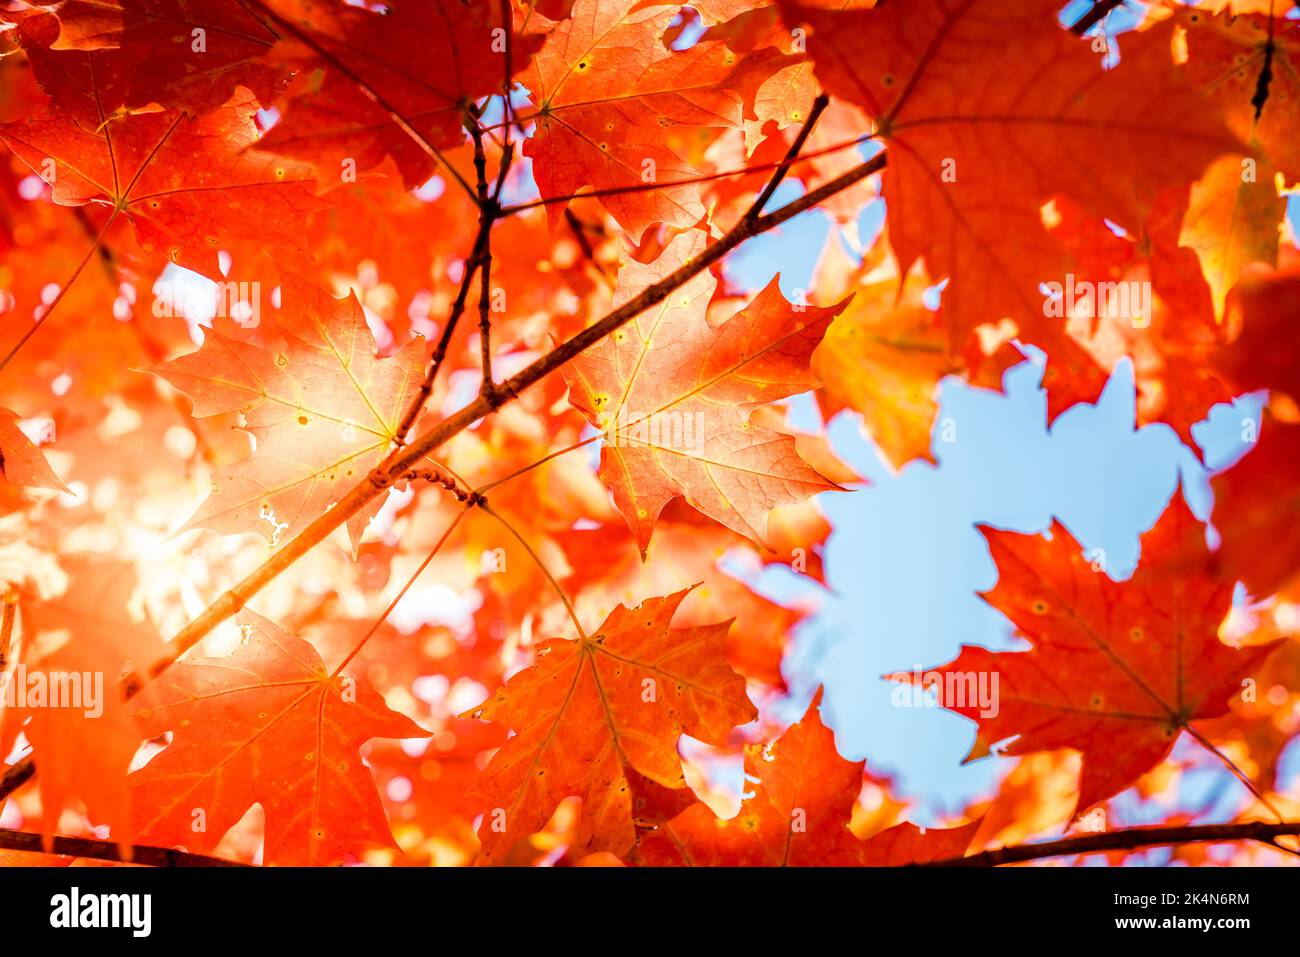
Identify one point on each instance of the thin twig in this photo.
(689, 181)
(1237, 772)
(818, 107)
(9, 605)
(486, 216)
(444, 339)
(451, 527)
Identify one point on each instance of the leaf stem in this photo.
(483, 504)
(451, 527)
(44, 317)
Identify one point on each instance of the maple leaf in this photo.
(609, 98)
(1255, 503)
(1117, 670)
(673, 397)
(977, 145)
(607, 572)
(1232, 222)
(906, 843)
(112, 46)
(797, 814)
(66, 696)
(21, 461)
(599, 718)
(884, 357)
(267, 725)
(324, 411)
(1227, 55)
(428, 61)
(1263, 354)
(188, 185)
(1170, 347)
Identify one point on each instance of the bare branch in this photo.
(1126, 839)
(109, 851)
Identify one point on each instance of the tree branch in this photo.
(406, 457)
(109, 851)
(1124, 840)
(1100, 10)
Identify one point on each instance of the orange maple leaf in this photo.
(978, 143)
(1255, 504)
(1117, 670)
(599, 718)
(797, 815)
(427, 62)
(673, 396)
(266, 725)
(187, 184)
(75, 647)
(21, 461)
(113, 47)
(324, 411)
(610, 95)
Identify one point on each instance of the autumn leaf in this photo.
(324, 410)
(797, 815)
(599, 718)
(1263, 354)
(1255, 503)
(610, 98)
(65, 694)
(1228, 53)
(977, 145)
(188, 185)
(270, 725)
(1117, 669)
(112, 46)
(686, 550)
(673, 397)
(21, 461)
(422, 63)
(1233, 221)
(884, 357)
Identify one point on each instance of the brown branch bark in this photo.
(1126, 839)
(1100, 10)
(108, 851)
